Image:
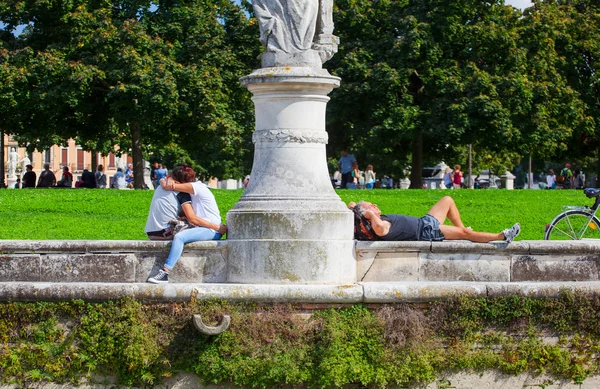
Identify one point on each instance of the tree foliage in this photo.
(423, 79)
(135, 74)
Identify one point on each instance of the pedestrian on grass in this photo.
(457, 177)
(448, 174)
(100, 177)
(29, 177)
(369, 177)
(47, 178)
(129, 175)
(550, 180)
(345, 164)
(119, 180)
(66, 180)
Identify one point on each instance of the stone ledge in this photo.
(366, 292)
(526, 247)
(96, 291)
(98, 246)
(393, 292)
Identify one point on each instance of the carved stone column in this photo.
(290, 226)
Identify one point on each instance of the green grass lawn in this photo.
(113, 214)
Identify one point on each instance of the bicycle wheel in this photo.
(574, 225)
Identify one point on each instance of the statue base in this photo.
(290, 226)
(11, 181)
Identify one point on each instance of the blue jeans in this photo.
(187, 236)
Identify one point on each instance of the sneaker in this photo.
(161, 278)
(511, 233)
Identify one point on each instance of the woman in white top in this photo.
(551, 180)
(206, 217)
(369, 177)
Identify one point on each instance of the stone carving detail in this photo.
(292, 30)
(290, 136)
(207, 330)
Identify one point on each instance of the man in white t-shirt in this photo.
(165, 206)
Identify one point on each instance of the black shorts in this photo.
(430, 230)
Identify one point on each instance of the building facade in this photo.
(58, 156)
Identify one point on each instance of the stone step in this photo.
(363, 292)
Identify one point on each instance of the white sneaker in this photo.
(511, 233)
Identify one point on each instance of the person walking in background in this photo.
(153, 175)
(100, 177)
(550, 180)
(369, 177)
(448, 178)
(203, 214)
(345, 167)
(18, 183)
(29, 177)
(457, 177)
(66, 180)
(129, 175)
(565, 175)
(161, 172)
(355, 174)
(577, 179)
(47, 178)
(119, 180)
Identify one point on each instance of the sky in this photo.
(521, 4)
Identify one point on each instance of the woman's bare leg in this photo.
(462, 233)
(446, 208)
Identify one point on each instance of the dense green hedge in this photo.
(113, 214)
(270, 345)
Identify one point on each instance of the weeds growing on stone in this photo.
(271, 345)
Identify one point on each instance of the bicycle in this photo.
(576, 222)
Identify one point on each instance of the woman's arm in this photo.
(200, 222)
(170, 184)
(380, 227)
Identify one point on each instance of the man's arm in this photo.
(199, 222)
(380, 227)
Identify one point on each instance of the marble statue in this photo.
(296, 32)
(120, 162)
(13, 158)
(24, 162)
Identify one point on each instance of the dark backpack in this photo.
(362, 227)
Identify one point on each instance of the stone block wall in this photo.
(108, 261)
(524, 261)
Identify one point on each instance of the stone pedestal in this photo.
(11, 181)
(290, 226)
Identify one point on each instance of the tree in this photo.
(572, 28)
(134, 74)
(422, 78)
